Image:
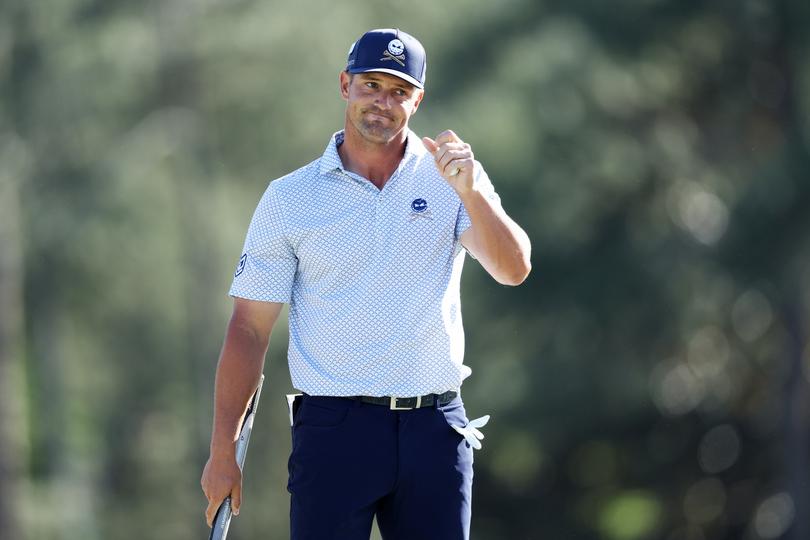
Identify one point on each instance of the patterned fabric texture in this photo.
(372, 276)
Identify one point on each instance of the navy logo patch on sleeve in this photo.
(241, 266)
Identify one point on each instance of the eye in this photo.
(371, 84)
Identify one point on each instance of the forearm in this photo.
(501, 246)
(238, 372)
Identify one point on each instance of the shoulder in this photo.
(283, 192)
(294, 181)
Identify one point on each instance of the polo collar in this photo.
(330, 160)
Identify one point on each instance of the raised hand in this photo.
(454, 159)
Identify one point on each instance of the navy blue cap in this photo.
(389, 50)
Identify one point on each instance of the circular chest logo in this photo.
(419, 205)
(396, 47)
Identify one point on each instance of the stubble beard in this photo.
(375, 130)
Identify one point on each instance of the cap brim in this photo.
(395, 73)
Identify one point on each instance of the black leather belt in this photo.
(407, 403)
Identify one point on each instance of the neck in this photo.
(374, 161)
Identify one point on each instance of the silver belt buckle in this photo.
(395, 408)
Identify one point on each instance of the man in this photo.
(366, 244)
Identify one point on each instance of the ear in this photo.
(418, 99)
(345, 82)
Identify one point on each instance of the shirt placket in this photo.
(379, 220)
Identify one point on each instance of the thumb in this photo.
(236, 499)
(430, 144)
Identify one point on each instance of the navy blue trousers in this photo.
(351, 461)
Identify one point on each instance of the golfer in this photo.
(366, 245)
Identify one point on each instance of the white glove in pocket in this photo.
(471, 433)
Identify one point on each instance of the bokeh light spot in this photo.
(517, 461)
(704, 501)
(704, 215)
(630, 515)
(774, 516)
(751, 315)
(719, 449)
(676, 389)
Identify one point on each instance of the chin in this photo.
(375, 133)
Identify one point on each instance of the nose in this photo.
(383, 101)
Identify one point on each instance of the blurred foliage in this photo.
(649, 380)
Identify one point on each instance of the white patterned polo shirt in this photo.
(372, 276)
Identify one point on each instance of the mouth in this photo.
(371, 115)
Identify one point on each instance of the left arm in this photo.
(501, 246)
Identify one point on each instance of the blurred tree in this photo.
(12, 396)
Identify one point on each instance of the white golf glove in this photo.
(471, 433)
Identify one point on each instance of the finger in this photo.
(451, 155)
(449, 147)
(456, 166)
(447, 136)
(445, 154)
(210, 512)
(236, 499)
(430, 144)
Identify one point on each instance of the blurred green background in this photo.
(648, 381)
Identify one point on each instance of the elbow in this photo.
(521, 265)
(516, 275)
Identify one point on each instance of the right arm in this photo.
(238, 372)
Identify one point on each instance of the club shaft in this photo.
(222, 519)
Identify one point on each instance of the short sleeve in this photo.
(484, 185)
(268, 263)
